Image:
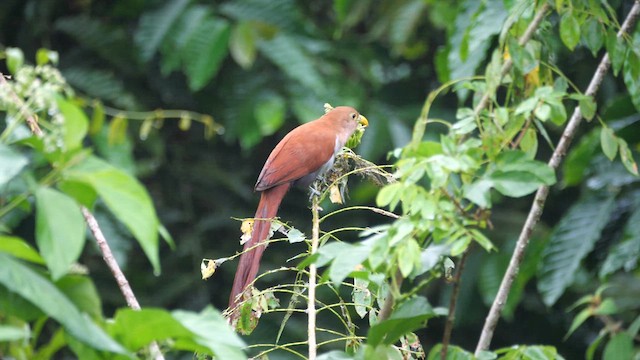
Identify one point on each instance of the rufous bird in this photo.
(305, 153)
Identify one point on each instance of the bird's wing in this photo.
(301, 152)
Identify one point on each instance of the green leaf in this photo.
(579, 158)
(523, 60)
(147, 324)
(11, 163)
(101, 84)
(44, 56)
(514, 183)
(409, 316)
(616, 48)
(475, 26)
(81, 192)
(627, 157)
(479, 192)
(593, 35)
(609, 142)
(25, 282)
(294, 235)
(579, 320)
(211, 330)
(20, 249)
(390, 194)
(205, 50)
(408, 254)
(76, 124)
(625, 254)
(155, 25)
(572, 239)
(631, 76)
(242, 44)
(569, 30)
(529, 143)
(517, 161)
(481, 239)
(15, 59)
(83, 293)
(345, 262)
(361, 296)
(126, 198)
(587, 107)
(60, 230)
(335, 354)
(619, 347)
(287, 53)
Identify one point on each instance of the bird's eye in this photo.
(354, 116)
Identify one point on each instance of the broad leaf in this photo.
(409, 316)
(242, 44)
(608, 142)
(22, 280)
(569, 30)
(11, 163)
(571, 241)
(83, 293)
(619, 347)
(126, 198)
(60, 230)
(345, 258)
(205, 50)
(287, 53)
(20, 249)
(155, 25)
(625, 254)
(211, 330)
(76, 124)
(631, 76)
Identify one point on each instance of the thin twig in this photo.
(385, 312)
(541, 195)
(110, 260)
(107, 254)
(448, 328)
(313, 272)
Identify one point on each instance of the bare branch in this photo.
(313, 272)
(541, 195)
(448, 329)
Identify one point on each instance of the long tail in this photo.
(250, 261)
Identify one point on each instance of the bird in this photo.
(303, 155)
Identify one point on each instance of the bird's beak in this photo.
(363, 121)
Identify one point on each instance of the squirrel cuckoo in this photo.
(299, 158)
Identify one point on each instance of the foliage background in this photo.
(259, 68)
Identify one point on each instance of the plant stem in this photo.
(313, 272)
(541, 195)
(448, 328)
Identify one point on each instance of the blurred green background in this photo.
(260, 68)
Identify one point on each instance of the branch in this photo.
(313, 272)
(107, 255)
(385, 312)
(541, 195)
(448, 328)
